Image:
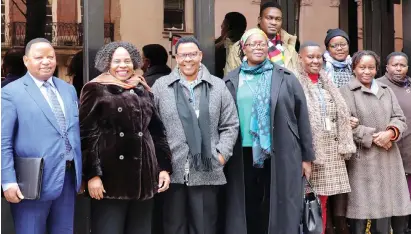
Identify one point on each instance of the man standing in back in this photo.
(281, 46)
(40, 120)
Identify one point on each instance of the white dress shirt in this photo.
(43, 90)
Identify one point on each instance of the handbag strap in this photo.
(309, 185)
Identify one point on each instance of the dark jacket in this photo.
(404, 96)
(220, 58)
(291, 145)
(118, 129)
(155, 72)
(8, 79)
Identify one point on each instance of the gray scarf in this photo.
(197, 130)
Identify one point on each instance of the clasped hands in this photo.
(383, 139)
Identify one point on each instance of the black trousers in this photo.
(380, 226)
(257, 194)
(114, 216)
(190, 209)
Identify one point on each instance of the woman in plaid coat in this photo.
(330, 123)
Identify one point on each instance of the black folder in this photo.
(29, 174)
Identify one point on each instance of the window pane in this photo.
(173, 19)
(174, 4)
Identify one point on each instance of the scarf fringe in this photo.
(200, 162)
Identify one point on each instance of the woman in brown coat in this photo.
(378, 186)
(330, 123)
(126, 157)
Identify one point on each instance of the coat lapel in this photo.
(233, 78)
(276, 80)
(38, 97)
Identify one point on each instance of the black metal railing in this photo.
(59, 34)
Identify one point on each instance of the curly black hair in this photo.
(356, 58)
(105, 55)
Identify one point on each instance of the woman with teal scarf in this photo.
(267, 161)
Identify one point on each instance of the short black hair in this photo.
(76, 65)
(185, 40)
(308, 44)
(356, 58)
(269, 5)
(34, 41)
(394, 54)
(13, 62)
(236, 21)
(75, 70)
(105, 55)
(156, 53)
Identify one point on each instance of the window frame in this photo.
(182, 10)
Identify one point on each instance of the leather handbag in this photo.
(311, 220)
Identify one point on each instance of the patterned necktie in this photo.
(58, 112)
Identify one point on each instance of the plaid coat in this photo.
(330, 178)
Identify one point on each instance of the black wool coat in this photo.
(123, 140)
(291, 145)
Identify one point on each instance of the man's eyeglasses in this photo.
(255, 45)
(341, 45)
(191, 55)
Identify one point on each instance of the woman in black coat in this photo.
(126, 157)
(264, 190)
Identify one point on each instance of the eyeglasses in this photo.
(255, 45)
(341, 45)
(191, 55)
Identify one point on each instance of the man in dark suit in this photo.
(40, 119)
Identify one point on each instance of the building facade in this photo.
(64, 28)
(144, 22)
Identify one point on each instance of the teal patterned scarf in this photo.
(260, 113)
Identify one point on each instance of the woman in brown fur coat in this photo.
(330, 123)
(126, 157)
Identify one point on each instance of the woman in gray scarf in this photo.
(337, 57)
(337, 64)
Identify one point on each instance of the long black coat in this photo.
(292, 144)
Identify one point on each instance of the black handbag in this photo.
(311, 220)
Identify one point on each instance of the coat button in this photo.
(131, 91)
(121, 134)
(336, 139)
(119, 109)
(121, 157)
(140, 134)
(61, 155)
(333, 120)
